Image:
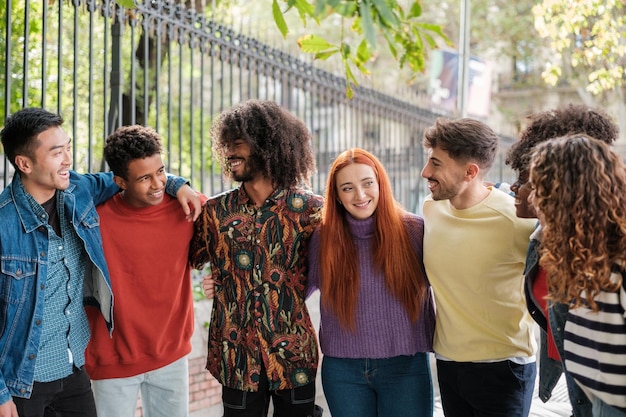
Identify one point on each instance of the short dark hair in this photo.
(464, 140)
(550, 124)
(19, 135)
(279, 142)
(128, 143)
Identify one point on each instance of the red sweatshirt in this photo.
(146, 250)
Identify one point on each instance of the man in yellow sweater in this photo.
(474, 252)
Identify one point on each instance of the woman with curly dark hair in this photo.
(579, 193)
(550, 315)
(262, 343)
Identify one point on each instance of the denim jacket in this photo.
(550, 370)
(23, 271)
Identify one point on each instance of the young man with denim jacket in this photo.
(51, 264)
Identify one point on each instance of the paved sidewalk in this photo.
(558, 406)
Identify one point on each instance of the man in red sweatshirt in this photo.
(146, 241)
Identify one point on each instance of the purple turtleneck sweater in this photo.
(383, 328)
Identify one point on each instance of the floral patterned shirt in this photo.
(257, 257)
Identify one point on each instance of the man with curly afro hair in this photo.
(550, 315)
(262, 344)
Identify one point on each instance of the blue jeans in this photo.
(493, 389)
(67, 397)
(602, 409)
(392, 387)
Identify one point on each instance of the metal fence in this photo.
(102, 66)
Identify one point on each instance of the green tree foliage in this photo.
(370, 22)
(365, 24)
(589, 39)
(20, 92)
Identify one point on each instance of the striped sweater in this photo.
(595, 348)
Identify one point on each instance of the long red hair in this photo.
(393, 252)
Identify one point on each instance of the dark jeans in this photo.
(67, 397)
(496, 389)
(391, 387)
(297, 402)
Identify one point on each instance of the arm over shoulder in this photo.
(313, 270)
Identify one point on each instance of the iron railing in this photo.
(102, 66)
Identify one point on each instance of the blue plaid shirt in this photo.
(65, 329)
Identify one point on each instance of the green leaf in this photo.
(360, 66)
(368, 24)
(432, 44)
(323, 56)
(320, 8)
(416, 10)
(305, 9)
(357, 27)
(279, 19)
(129, 4)
(387, 16)
(346, 9)
(363, 53)
(391, 44)
(350, 78)
(324, 4)
(314, 44)
(417, 43)
(349, 92)
(438, 30)
(345, 50)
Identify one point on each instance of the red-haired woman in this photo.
(377, 317)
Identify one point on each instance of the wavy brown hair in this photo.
(464, 140)
(580, 193)
(393, 251)
(280, 143)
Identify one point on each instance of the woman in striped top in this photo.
(579, 192)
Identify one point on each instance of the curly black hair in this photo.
(556, 123)
(128, 143)
(279, 142)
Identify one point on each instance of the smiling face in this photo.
(241, 162)
(357, 190)
(522, 189)
(145, 183)
(446, 176)
(48, 169)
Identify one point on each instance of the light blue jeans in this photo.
(602, 409)
(392, 387)
(164, 393)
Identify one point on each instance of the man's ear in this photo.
(24, 163)
(121, 182)
(472, 171)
